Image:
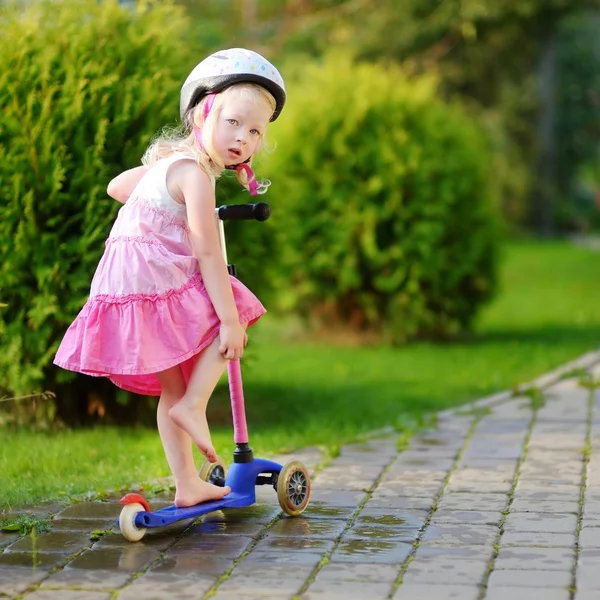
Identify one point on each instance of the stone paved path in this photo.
(501, 501)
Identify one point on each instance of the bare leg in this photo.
(190, 489)
(190, 412)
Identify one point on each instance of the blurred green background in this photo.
(435, 200)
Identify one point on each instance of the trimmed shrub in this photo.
(84, 85)
(385, 205)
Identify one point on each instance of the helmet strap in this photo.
(252, 184)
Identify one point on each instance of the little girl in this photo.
(164, 316)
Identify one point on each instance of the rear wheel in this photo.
(293, 488)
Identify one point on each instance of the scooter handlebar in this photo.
(260, 211)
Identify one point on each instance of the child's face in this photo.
(240, 127)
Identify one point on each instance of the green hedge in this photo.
(385, 204)
(84, 85)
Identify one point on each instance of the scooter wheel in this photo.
(214, 473)
(131, 532)
(293, 488)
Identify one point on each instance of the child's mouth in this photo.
(234, 153)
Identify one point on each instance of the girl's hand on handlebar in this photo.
(233, 339)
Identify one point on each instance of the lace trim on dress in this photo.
(139, 239)
(194, 281)
(168, 216)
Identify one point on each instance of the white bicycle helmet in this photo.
(226, 67)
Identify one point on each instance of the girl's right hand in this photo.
(233, 338)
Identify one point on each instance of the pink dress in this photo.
(148, 309)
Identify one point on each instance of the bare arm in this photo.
(122, 185)
(195, 187)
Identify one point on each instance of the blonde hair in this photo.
(183, 139)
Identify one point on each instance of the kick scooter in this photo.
(291, 481)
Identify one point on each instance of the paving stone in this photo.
(68, 595)
(157, 539)
(214, 527)
(589, 537)
(345, 590)
(591, 510)
(472, 501)
(343, 482)
(33, 560)
(399, 503)
(54, 541)
(166, 586)
(334, 498)
(541, 522)
(544, 505)
(586, 595)
(545, 476)
(91, 510)
(497, 487)
(97, 579)
(543, 559)
(484, 477)
(286, 544)
(429, 550)
(460, 534)
(318, 509)
(447, 571)
(180, 563)
(375, 532)
(228, 547)
(373, 573)
(130, 559)
(264, 581)
(415, 476)
(424, 460)
(466, 516)
(401, 522)
(15, 580)
(588, 577)
(589, 557)
(81, 525)
(394, 490)
(373, 551)
(499, 467)
(527, 578)
(307, 527)
(487, 450)
(540, 490)
(493, 425)
(8, 538)
(425, 591)
(503, 593)
(291, 560)
(538, 539)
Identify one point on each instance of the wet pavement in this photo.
(500, 501)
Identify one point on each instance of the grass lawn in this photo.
(301, 393)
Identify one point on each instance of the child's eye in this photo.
(255, 132)
(232, 121)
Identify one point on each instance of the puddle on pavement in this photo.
(392, 550)
(321, 509)
(34, 560)
(132, 558)
(306, 527)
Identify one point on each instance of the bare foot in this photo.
(193, 421)
(195, 490)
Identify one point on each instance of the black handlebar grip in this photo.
(260, 211)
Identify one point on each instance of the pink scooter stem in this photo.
(236, 391)
(234, 372)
